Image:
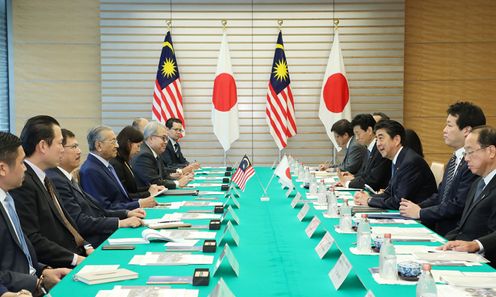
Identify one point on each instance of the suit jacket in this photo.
(14, 266)
(126, 176)
(413, 180)
(478, 220)
(148, 170)
(41, 222)
(171, 159)
(375, 172)
(354, 157)
(443, 215)
(95, 223)
(98, 181)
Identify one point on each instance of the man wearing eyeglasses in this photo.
(476, 231)
(95, 223)
(98, 177)
(173, 157)
(442, 211)
(147, 165)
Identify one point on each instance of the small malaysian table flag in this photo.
(244, 172)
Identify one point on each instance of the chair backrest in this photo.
(438, 171)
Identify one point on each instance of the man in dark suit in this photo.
(410, 175)
(98, 177)
(19, 268)
(476, 231)
(95, 223)
(44, 220)
(375, 170)
(147, 165)
(442, 211)
(355, 153)
(173, 156)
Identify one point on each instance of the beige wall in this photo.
(450, 50)
(57, 62)
(449, 55)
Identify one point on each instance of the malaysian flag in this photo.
(244, 172)
(167, 98)
(279, 111)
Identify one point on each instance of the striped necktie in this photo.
(449, 176)
(77, 237)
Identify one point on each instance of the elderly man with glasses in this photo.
(98, 177)
(147, 165)
(476, 231)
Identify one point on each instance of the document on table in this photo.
(407, 234)
(177, 216)
(410, 249)
(188, 234)
(465, 279)
(450, 291)
(164, 258)
(146, 291)
(450, 256)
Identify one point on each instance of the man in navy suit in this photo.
(98, 177)
(376, 170)
(355, 153)
(95, 223)
(173, 156)
(410, 175)
(19, 268)
(442, 211)
(476, 231)
(44, 220)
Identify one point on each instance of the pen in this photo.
(45, 292)
(369, 188)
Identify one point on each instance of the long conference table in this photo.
(276, 257)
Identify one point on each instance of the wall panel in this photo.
(372, 38)
(449, 56)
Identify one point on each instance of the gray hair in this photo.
(151, 129)
(95, 134)
(137, 122)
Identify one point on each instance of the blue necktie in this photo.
(393, 170)
(9, 202)
(114, 174)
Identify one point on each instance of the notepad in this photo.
(99, 274)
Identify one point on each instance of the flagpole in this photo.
(265, 196)
(225, 158)
(334, 151)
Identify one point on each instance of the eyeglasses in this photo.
(72, 146)
(469, 153)
(163, 137)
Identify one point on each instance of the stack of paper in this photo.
(99, 274)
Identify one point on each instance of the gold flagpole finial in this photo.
(169, 24)
(336, 24)
(280, 22)
(224, 24)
